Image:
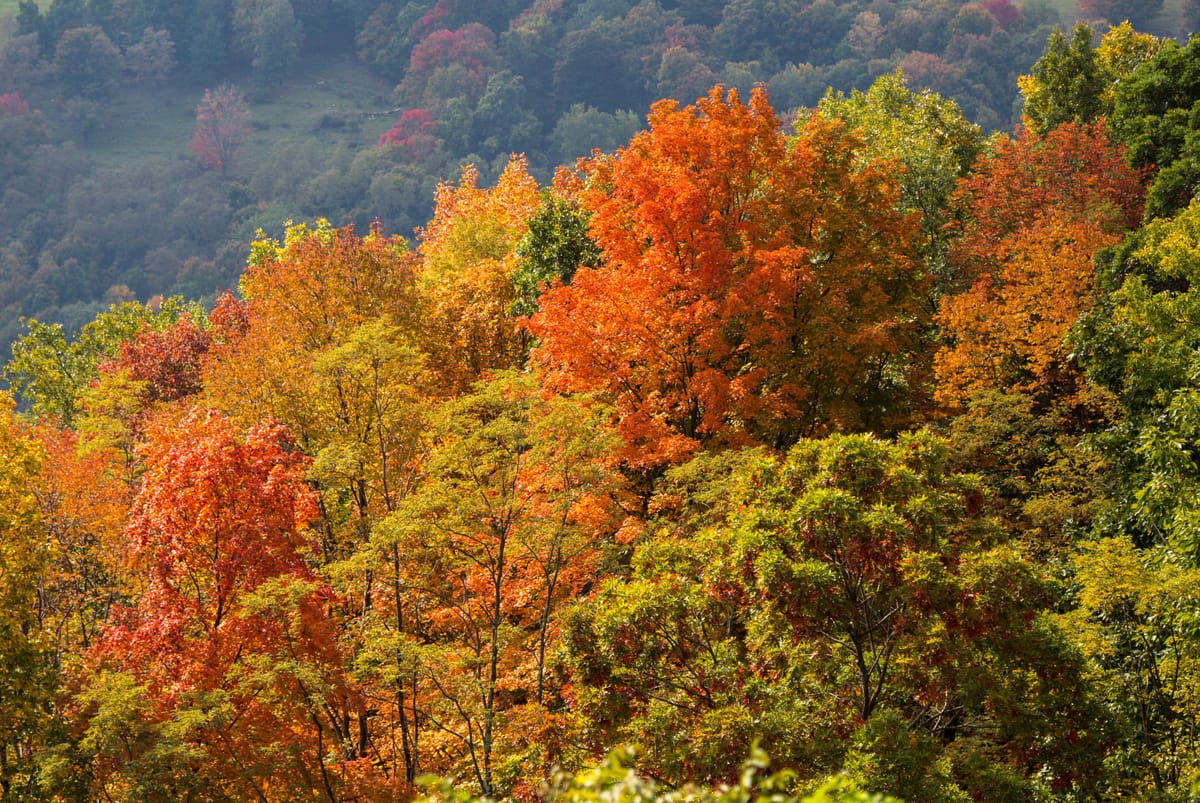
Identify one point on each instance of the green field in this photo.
(326, 105)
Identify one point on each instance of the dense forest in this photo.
(355, 110)
(790, 445)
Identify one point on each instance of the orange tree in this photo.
(1036, 211)
(754, 288)
(221, 679)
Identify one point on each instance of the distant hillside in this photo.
(359, 108)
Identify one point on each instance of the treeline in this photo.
(473, 82)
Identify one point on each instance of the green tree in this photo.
(48, 373)
(87, 62)
(581, 128)
(1142, 344)
(926, 134)
(1139, 12)
(834, 603)
(556, 245)
(268, 33)
(1153, 115)
(1136, 617)
(1066, 83)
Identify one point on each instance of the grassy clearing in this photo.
(326, 105)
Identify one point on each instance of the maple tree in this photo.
(83, 495)
(167, 361)
(1037, 211)
(753, 288)
(230, 624)
(302, 296)
(325, 343)
(414, 136)
(222, 127)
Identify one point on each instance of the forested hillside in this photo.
(797, 448)
(358, 108)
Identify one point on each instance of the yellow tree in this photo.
(27, 675)
(324, 344)
(468, 253)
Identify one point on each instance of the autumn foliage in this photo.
(625, 460)
(231, 621)
(754, 289)
(222, 127)
(1038, 210)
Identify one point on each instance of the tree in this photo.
(49, 374)
(21, 131)
(1021, 182)
(556, 245)
(581, 128)
(1066, 83)
(28, 676)
(1036, 212)
(930, 137)
(849, 605)
(166, 361)
(753, 289)
(469, 260)
(414, 136)
(1152, 116)
(503, 531)
(274, 37)
(222, 127)
(87, 62)
(304, 296)
(1134, 619)
(1141, 346)
(1138, 12)
(325, 341)
(153, 57)
(228, 644)
(1077, 81)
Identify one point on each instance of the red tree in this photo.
(222, 126)
(167, 361)
(415, 137)
(231, 618)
